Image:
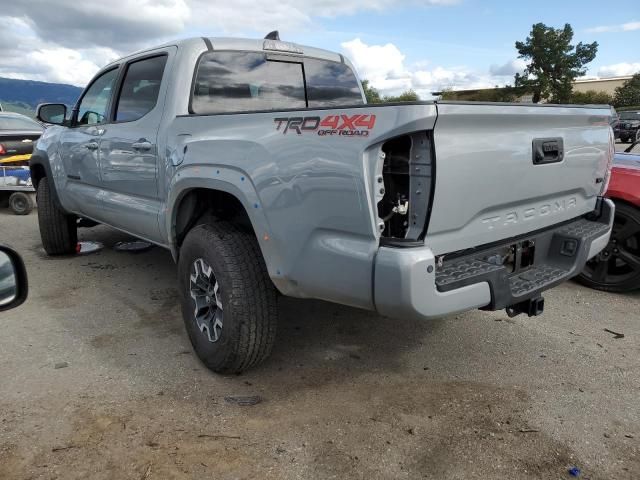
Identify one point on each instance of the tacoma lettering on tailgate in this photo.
(517, 216)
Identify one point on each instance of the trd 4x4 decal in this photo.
(343, 125)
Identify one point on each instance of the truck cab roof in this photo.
(243, 44)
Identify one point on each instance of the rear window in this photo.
(249, 81)
(331, 84)
(19, 123)
(245, 81)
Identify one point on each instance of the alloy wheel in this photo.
(620, 259)
(207, 300)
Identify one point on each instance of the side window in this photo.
(331, 84)
(140, 89)
(245, 81)
(95, 102)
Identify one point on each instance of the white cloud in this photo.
(624, 27)
(24, 55)
(68, 40)
(619, 69)
(384, 66)
(64, 65)
(508, 69)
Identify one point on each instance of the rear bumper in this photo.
(408, 282)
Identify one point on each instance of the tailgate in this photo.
(491, 186)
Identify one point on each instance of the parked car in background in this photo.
(18, 134)
(617, 267)
(615, 123)
(628, 128)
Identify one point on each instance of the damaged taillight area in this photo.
(405, 186)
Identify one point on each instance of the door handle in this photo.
(92, 145)
(142, 145)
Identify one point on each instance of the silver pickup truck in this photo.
(260, 166)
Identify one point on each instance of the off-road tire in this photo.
(249, 298)
(58, 231)
(21, 203)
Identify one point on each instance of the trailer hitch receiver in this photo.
(532, 307)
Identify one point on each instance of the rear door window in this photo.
(140, 88)
(246, 81)
(331, 84)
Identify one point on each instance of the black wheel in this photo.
(58, 231)
(617, 267)
(229, 304)
(624, 139)
(21, 203)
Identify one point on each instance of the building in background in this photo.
(606, 85)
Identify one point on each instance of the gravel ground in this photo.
(98, 380)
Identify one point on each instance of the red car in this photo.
(617, 267)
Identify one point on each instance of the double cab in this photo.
(260, 166)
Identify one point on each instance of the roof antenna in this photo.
(273, 36)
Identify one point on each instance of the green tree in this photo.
(406, 96)
(628, 95)
(554, 63)
(371, 93)
(592, 97)
(496, 94)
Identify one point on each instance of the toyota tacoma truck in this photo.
(260, 166)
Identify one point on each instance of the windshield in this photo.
(629, 115)
(19, 123)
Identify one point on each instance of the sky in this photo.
(425, 45)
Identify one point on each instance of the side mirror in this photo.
(53, 113)
(13, 279)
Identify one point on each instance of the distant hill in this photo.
(25, 95)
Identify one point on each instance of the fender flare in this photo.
(229, 180)
(41, 159)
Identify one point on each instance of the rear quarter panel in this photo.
(307, 194)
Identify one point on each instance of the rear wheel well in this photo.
(202, 204)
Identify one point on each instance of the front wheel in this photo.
(617, 267)
(229, 304)
(58, 231)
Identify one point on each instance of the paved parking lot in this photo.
(98, 380)
(621, 147)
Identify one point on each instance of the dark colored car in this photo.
(617, 267)
(628, 128)
(18, 134)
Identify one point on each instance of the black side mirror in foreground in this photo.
(13, 279)
(53, 113)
